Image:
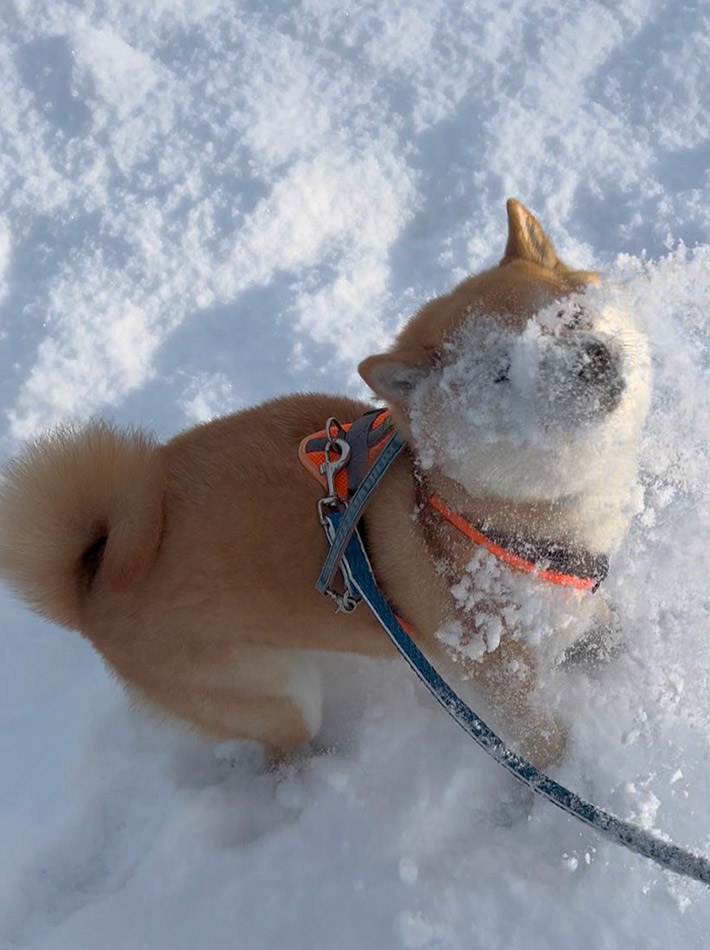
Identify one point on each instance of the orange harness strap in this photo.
(374, 425)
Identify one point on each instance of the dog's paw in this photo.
(599, 645)
(540, 738)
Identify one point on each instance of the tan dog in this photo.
(190, 566)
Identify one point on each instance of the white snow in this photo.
(204, 204)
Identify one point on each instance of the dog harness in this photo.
(370, 434)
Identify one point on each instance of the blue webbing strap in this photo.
(352, 514)
(621, 832)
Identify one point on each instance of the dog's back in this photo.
(190, 565)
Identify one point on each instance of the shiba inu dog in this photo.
(190, 566)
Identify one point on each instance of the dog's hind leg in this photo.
(272, 696)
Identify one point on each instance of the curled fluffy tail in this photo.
(74, 503)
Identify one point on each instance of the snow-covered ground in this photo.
(206, 203)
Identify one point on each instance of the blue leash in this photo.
(340, 524)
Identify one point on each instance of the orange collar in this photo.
(548, 561)
(554, 563)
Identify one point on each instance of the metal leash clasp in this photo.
(331, 466)
(348, 600)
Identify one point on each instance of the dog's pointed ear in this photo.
(393, 376)
(526, 239)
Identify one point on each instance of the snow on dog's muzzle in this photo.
(600, 367)
(580, 378)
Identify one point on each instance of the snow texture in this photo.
(204, 204)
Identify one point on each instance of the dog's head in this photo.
(524, 382)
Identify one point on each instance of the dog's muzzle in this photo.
(581, 379)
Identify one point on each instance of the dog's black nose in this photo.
(596, 361)
(600, 366)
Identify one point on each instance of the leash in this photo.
(339, 518)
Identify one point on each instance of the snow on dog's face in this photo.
(537, 413)
(526, 382)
